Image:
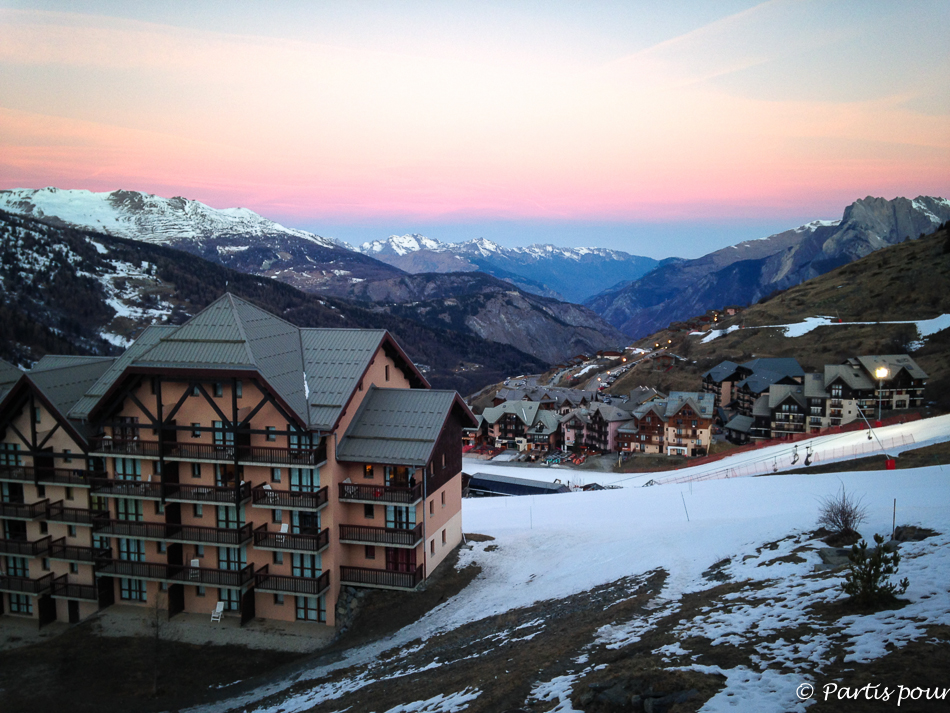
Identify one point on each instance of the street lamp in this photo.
(881, 374)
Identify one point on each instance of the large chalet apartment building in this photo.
(235, 462)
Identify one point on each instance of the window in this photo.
(443, 498)
(359, 386)
(387, 372)
(163, 586)
(200, 591)
(73, 568)
(18, 567)
(9, 454)
(218, 389)
(278, 599)
(196, 470)
(132, 589)
(432, 547)
(196, 430)
(67, 456)
(311, 609)
(69, 493)
(238, 389)
(304, 480)
(70, 530)
(368, 511)
(37, 414)
(367, 471)
(41, 491)
(159, 507)
(199, 551)
(131, 550)
(370, 552)
(195, 390)
(128, 469)
(44, 563)
(277, 516)
(271, 433)
(44, 526)
(278, 557)
(160, 548)
(431, 508)
(153, 382)
(198, 509)
(275, 475)
(21, 604)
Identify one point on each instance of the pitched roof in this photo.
(815, 386)
(8, 376)
(740, 424)
(527, 411)
(854, 377)
(761, 407)
(721, 371)
(781, 392)
(65, 380)
(762, 380)
(398, 426)
(510, 485)
(701, 402)
(894, 363)
(786, 366)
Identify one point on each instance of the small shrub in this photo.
(868, 579)
(841, 513)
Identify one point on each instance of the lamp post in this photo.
(881, 374)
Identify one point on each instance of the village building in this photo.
(236, 465)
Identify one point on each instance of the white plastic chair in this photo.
(218, 611)
(283, 534)
(194, 573)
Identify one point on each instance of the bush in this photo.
(841, 513)
(867, 581)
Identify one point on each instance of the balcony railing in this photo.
(22, 511)
(124, 447)
(59, 550)
(183, 574)
(286, 541)
(58, 512)
(388, 536)
(256, 455)
(220, 494)
(110, 487)
(290, 499)
(363, 493)
(284, 584)
(381, 578)
(25, 585)
(64, 589)
(192, 534)
(25, 548)
(53, 476)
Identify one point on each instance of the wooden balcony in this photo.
(124, 448)
(178, 574)
(46, 476)
(385, 536)
(215, 494)
(22, 511)
(284, 584)
(290, 499)
(111, 487)
(58, 512)
(59, 550)
(380, 494)
(25, 585)
(291, 542)
(25, 548)
(381, 578)
(250, 455)
(191, 534)
(62, 588)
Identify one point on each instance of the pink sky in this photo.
(492, 112)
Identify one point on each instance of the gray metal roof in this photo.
(64, 382)
(894, 363)
(721, 371)
(8, 377)
(527, 411)
(148, 338)
(334, 361)
(761, 406)
(396, 426)
(740, 424)
(853, 376)
(815, 386)
(786, 366)
(780, 392)
(701, 402)
(517, 486)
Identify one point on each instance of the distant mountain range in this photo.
(742, 274)
(571, 274)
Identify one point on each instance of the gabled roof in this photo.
(64, 380)
(740, 424)
(8, 377)
(815, 386)
(779, 393)
(313, 371)
(721, 371)
(490, 483)
(786, 366)
(479, 420)
(762, 380)
(399, 426)
(761, 407)
(893, 362)
(642, 394)
(527, 411)
(702, 403)
(852, 376)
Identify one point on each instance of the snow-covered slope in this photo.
(236, 237)
(144, 216)
(569, 273)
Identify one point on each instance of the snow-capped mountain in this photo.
(570, 273)
(236, 237)
(744, 273)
